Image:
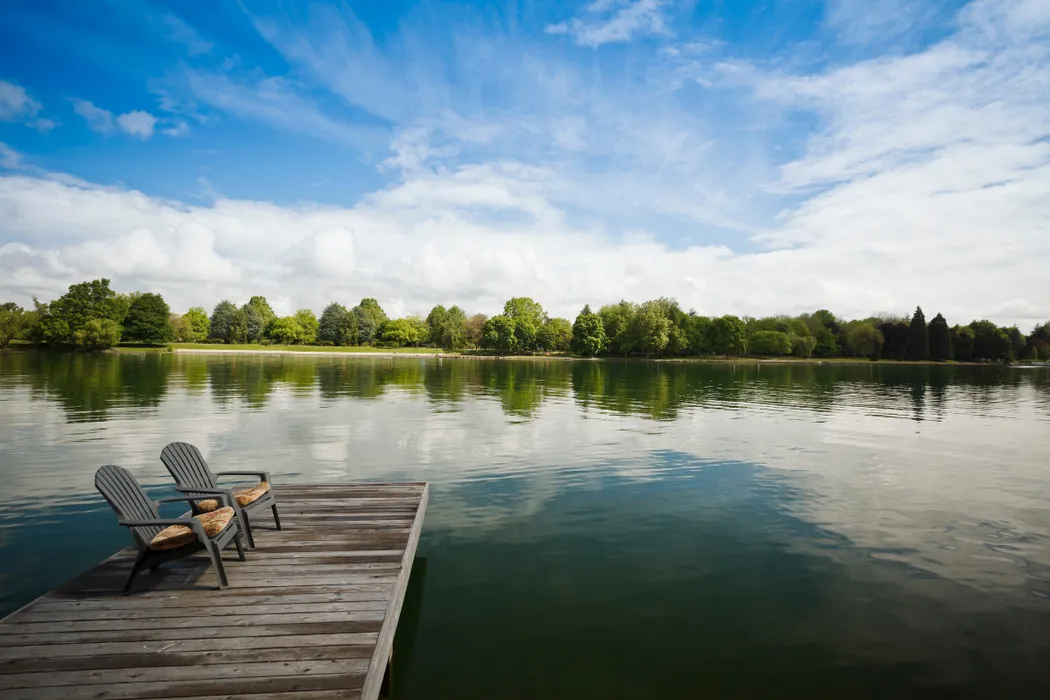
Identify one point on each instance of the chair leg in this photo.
(216, 561)
(276, 517)
(240, 547)
(139, 561)
(248, 536)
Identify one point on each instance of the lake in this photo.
(606, 529)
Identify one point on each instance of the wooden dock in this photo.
(311, 614)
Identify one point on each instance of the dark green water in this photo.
(608, 530)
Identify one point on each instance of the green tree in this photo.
(286, 330)
(258, 315)
(373, 309)
(728, 336)
(228, 323)
(616, 319)
(588, 333)
(148, 320)
(528, 317)
(863, 339)
(97, 334)
(474, 330)
(649, 328)
(446, 328)
(500, 333)
(404, 332)
(369, 316)
(308, 322)
(990, 343)
(555, 335)
(769, 343)
(12, 322)
(895, 335)
(940, 339)
(827, 342)
(83, 302)
(699, 334)
(1017, 341)
(1039, 342)
(436, 321)
(337, 326)
(199, 325)
(803, 345)
(918, 338)
(962, 343)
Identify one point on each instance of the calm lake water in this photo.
(607, 530)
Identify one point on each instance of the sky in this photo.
(754, 158)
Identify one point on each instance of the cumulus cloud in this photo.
(138, 124)
(97, 119)
(17, 105)
(611, 21)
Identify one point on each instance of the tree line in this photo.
(93, 316)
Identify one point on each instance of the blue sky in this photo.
(743, 157)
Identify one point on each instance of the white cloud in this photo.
(273, 101)
(182, 33)
(879, 21)
(97, 119)
(179, 129)
(9, 157)
(17, 105)
(138, 124)
(611, 21)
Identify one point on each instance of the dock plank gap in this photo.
(311, 614)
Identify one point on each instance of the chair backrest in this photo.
(126, 497)
(186, 465)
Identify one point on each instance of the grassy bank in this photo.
(366, 351)
(255, 347)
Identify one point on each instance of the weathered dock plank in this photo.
(311, 614)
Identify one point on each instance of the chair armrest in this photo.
(205, 493)
(223, 496)
(263, 476)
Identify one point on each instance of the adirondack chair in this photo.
(165, 539)
(193, 477)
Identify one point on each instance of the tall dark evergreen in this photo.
(337, 326)
(228, 323)
(148, 320)
(918, 338)
(895, 335)
(940, 340)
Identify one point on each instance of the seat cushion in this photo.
(208, 505)
(248, 496)
(176, 536)
(244, 497)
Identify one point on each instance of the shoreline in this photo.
(573, 358)
(315, 351)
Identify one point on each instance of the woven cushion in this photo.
(208, 505)
(246, 496)
(177, 536)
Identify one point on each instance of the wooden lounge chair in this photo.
(192, 476)
(166, 539)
